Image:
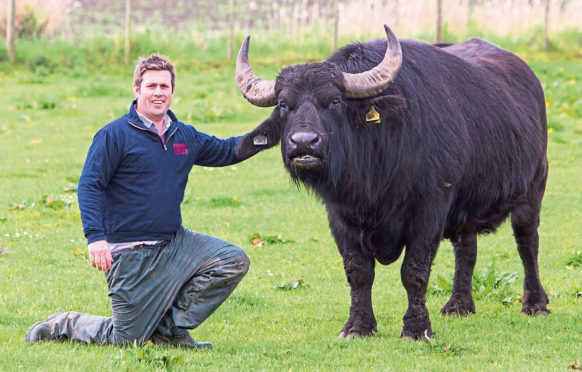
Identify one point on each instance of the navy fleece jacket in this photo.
(132, 183)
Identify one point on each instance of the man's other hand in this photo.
(100, 255)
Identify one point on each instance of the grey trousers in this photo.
(164, 288)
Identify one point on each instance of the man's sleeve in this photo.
(100, 165)
(216, 152)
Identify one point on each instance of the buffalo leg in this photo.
(360, 274)
(525, 222)
(359, 268)
(415, 273)
(461, 301)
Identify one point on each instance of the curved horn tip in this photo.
(389, 33)
(246, 42)
(257, 91)
(371, 82)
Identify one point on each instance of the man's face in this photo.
(154, 95)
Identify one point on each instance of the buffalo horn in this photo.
(257, 91)
(374, 81)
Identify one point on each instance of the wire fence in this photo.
(83, 18)
(202, 20)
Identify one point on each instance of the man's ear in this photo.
(266, 135)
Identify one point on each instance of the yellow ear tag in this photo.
(373, 116)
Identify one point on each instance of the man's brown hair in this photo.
(156, 62)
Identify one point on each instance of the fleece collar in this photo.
(134, 118)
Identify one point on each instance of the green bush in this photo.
(30, 26)
(201, 50)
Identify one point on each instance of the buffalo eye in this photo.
(282, 105)
(336, 101)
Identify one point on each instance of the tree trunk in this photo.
(10, 31)
(127, 31)
(546, 25)
(439, 22)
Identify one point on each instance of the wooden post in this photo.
(230, 51)
(396, 11)
(439, 22)
(127, 31)
(292, 24)
(335, 23)
(546, 25)
(470, 10)
(10, 32)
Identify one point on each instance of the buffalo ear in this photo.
(266, 135)
(379, 109)
(392, 104)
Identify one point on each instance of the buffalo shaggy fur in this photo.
(460, 146)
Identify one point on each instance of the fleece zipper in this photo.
(160, 138)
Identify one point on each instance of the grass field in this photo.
(47, 122)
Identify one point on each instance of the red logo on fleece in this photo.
(181, 148)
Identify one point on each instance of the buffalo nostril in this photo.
(308, 139)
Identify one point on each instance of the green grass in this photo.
(46, 125)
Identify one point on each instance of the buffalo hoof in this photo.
(417, 330)
(351, 335)
(353, 331)
(535, 309)
(417, 335)
(457, 307)
(534, 303)
(348, 335)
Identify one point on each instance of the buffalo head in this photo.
(312, 102)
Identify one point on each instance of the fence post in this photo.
(439, 22)
(10, 34)
(335, 10)
(546, 41)
(127, 31)
(230, 51)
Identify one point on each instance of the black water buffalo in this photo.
(406, 144)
